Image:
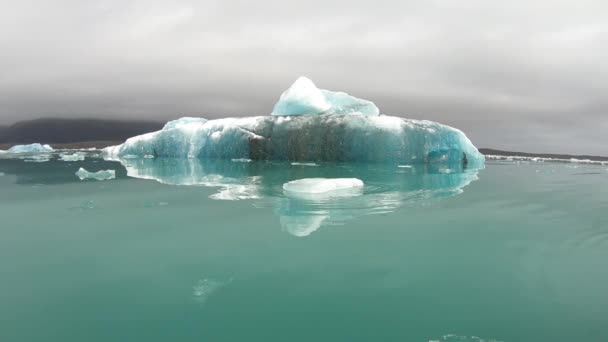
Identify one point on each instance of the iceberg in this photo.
(99, 175)
(308, 125)
(31, 148)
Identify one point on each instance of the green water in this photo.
(520, 254)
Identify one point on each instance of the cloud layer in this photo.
(524, 75)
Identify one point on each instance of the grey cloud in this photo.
(526, 75)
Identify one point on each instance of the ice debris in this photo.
(99, 175)
(31, 148)
(71, 157)
(545, 159)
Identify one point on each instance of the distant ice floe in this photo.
(99, 175)
(31, 148)
(71, 157)
(543, 159)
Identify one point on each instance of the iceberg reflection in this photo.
(386, 187)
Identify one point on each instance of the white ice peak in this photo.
(304, 98)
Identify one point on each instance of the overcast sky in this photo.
(521, 75)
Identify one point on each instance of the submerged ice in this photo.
(308, 125)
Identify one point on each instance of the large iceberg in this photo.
(31, 148)
(308, 125)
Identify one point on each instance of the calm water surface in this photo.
(214, 251)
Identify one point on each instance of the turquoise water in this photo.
(214, 251)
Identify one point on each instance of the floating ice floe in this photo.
(308, 125)
(328, 187)
(31, 148)
(71, 157)
(99, 175)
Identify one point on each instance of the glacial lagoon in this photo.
(216, 250)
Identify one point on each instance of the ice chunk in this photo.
(304, 98)
(325, 187)
(31, 148)
(99, 175)
(71, 157)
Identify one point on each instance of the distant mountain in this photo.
(63, 131)
(489, 151)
